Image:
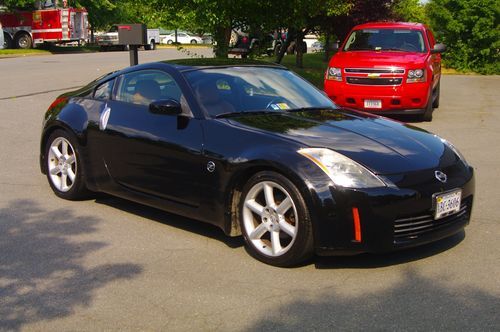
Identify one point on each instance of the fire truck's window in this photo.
(143, 87)
(104, 90)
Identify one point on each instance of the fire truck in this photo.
(26, 29)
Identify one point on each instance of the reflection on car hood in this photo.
(384, 146)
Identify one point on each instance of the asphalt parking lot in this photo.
(108, 264)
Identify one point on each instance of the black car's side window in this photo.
(145, 86)
(104, 90)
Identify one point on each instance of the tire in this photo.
(193, 41)
(427, 115)
(151, 46)
(275, 220)
(170, 42)
(437, 93)
(7, 41)
(23, 41)
(103, 48)
(63, 166)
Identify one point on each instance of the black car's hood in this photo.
(384, 146)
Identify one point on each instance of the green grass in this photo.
(11, 52)
(49, 50)
(313, 69)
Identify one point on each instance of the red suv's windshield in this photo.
(403, 40)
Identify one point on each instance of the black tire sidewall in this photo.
(21, 36)
(302, 248)
(427, 115)
(435, 104)
(78, 190)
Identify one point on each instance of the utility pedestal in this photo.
(134, 55)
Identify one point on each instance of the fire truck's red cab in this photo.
(25, 29)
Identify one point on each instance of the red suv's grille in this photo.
(374, 76)
(374, 81)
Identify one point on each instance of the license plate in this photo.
(373, 103)
(447, 203)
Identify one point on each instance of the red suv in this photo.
(387, 68)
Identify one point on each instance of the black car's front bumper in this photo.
(390, 218)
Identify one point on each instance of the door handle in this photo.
(103, 120)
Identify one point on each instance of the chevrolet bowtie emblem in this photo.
(373, 75)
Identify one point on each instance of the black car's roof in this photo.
(193, 63)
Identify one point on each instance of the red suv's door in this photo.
(435, 60)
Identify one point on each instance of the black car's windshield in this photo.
(227, 90)
(400, 40)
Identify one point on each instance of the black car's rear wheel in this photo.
(63, 166)
(275, 220)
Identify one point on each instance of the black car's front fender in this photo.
(65, 114)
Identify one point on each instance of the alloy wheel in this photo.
(270, 218)
(62, 164)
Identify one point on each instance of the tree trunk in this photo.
(222, 36)
(289, 37)
(327, 46)
(299, 50)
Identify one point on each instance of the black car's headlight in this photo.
(343, 171)
(455, 150)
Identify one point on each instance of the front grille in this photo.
(375, 70)
(411, 228)
(374, 81)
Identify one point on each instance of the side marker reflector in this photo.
(357, 224)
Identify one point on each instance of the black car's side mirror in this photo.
(438, 48)
(165, 106)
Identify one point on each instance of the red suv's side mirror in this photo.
(438, 48)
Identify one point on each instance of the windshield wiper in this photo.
(394, 49)
(315, 108)
(230, 114)
(361, 49)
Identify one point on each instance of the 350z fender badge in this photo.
(211, 166)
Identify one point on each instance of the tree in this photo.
(470, 29)
(17, 4)
(409, 11)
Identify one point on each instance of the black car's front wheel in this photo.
(275, 220)
(63, 166)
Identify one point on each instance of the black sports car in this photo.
(258, 151)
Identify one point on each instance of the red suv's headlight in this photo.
(416, 75)
(334, 74)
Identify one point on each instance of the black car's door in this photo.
(156, 154)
